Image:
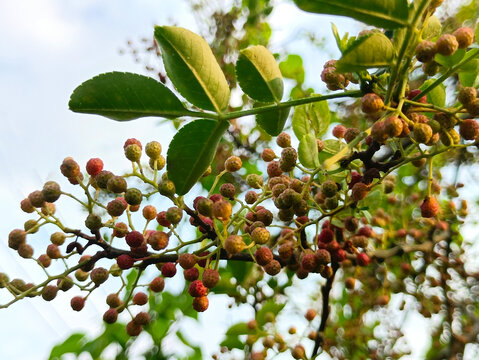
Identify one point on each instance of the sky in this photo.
(47, 48)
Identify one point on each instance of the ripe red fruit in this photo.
(132, 141)
(201, 303)
(323, 257)
(191, 274)
(339, 255)
(125, 261)
(339, 131)
(272, 268)
(469, 129)
(197, 289)
(168, 269)
(157, 284)
(110, 316)
(362, 259)
(366, 231)
(187, 261)
(77, 303)
(309, 262)
(359, 191)
(210, 278)
(94, 166)
(161, 218)
(263, 255)
(326, 236)
(142, 318)
(413, 93)
(429, 207)
(134, 239)
(140, 298)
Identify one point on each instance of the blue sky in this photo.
(48, 48)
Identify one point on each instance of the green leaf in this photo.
(125, 96)
(311, 117)
(292, 68)
(436, 96)
(373, 50)
(432, 28)
(72, 345)
(191, 152)
(449, 61)
(470, 76)
(331, 147)
(388, 14)
(268, 307)
(308, 151)
(232, 342)
(341, 42)
(477, 30)
(192, 67)
(259, 75)
(273, 121)
(240, 329)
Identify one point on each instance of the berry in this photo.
(371, 103)
(133, 329)
(334, 80)
(149, 212)
(99, 276)
(191, 274)
(255, 181)
(140, 298)
(197, 289)
(264, 215)
(260, 235)
(116, 207)
(234, 244)
(339, 131)
(167, 188)
(113, 300)
(467, 95)
(142, 318)
(228, 190)
(116, 184)
(110, 316)
(204, 206)
(310, 314)
(161, 218)
(25, 251)
(77, 303)
(51, 191)
(44, 260)
(251, 197)
(157, 164)
(210, 278)
(53, 251)
(153, 149)
(469, 129)
(158, 240)
(329, 188)
(393, 126)
(422, 133)
(359, 191)
(326, 236)
(157, 284)
(283, 140)
(350, 282)
(429, 207)
(120, 230)
(27, 206)
(298, 352)
(320, 145)
(49, 292)
(16, 238)
(366, 231)
(133, 152)
(268, 155)
(272, 268)
(134, 239)
(187, 261)
(174, 215)
(289, 156)
(464, 37)
(168, 269)
(362, 259)
(323, 256)
(430, 68)
(263, 255)
(133, 196)
(473, 107)
(94, 166)
(201, 303)
(425, 51)
(351, 134)
(378, 132)
(233, 164)
(447, 45)
(222, 210)
(57, 238)
(102, 178)
(36, 199)
(125, 261)
(70, 168)
(309, 262)
(274, 169)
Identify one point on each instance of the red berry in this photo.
(125, 261)
(362, 259)
(157, 284)
(133, 329)
(168, 269)
(191, 274)
(134, 239)
(142, 318)
(339, 131)
(110, 316)
(197, 289)
(469, 129)
(201, 303)
(187, 261)
(140, 298)
(263, 255)
(326, 236)
(429, 207)
(94, 166)
(210, 278)
(77, 303)
(131, 142)
(161, 218)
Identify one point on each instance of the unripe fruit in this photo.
(142, 318)
(197, 289)
(166, 188)
(113, 300)
(260, 235)
(99, 276)
(234, 244)
(116, 184)
(467, 95)
(51, 191)
(329, 188)
(359, 191)
(469, 129)
(210, 278)
(133, 196)
(77, 303)
(36, 198)
(44, 260)
(222, 210)
(350, 282)
(53, 251)
(464, 37)
(187, 261)
(125, 261)
(27, 206)
(233, 164)
(254, 181)
(161, 218)
(132, 141)
(272, 268)
(158, 240)
(93, 222)
(49, 292)
(351, 134)
(157, 284)
(94, 166)
(102, 178)
(363, 259)
(149, 212)
(310, 314)
(158, 163)
(265, 216)
(120, 230)
(473, 107)
(251, 197)
(371, 103)
(153, 149)
(16, 238)
(58, 238)
(201, 303)
(422, 133)
(274, 169)
(228, 190)
(116, 207)
(191, 274)
(174, 215)
(81, 275)
(429, 207)
(25, 251)
(133, 152)
(425, 51)
(378, 132)
(133, 329)
(339, 131)
(393, 126)
(283, 140)
(263, 255)
(168, 269)
(268, 155)
(446, 45)
(110, 316)
(204, 206)
(140, 298)
(70, 168)
(298, 352)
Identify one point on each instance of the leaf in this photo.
(436, 96)
(449, 61)
(311, 117)
(341, 43)
(232, 342)
(125, 96)
(432, 28)
(389, 14)
(308, 151)
(373, 50)
(268, 307)
(259, 75)
(73, 344)
(273, 121)
(331, 147)
(469, 76)
(192, 67)
(292, 68)
(191, 152)
(240, 329)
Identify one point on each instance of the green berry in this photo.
(133, 152)
(160, 162)
(166, 188)
(329, 188)
(117, 184)
(93, 222)
(58, 238)
(174, 215)
(31, 226)
(133, 196)
(153, 149)
(422, 133)
(254, 181)
(102, 178)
